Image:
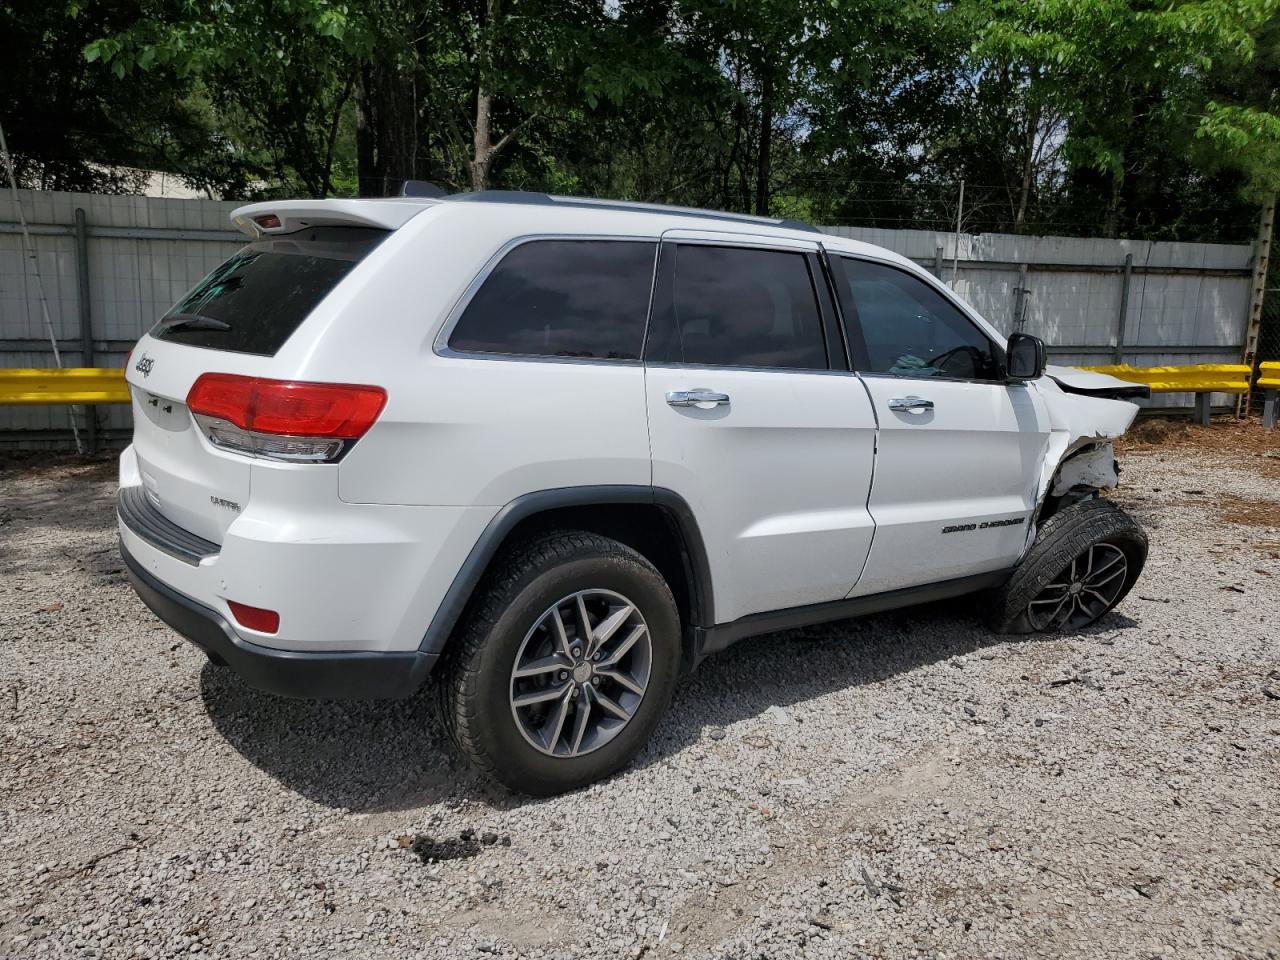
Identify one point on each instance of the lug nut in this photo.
(564, 674)
(576, 651)
(598, 655)
(595, 681)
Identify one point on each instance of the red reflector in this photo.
(339, 410)
(255, 618)
(267, 221)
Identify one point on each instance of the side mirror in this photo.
(1025, 357)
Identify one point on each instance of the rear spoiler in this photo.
(286, 216)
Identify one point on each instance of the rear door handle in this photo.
(910, 404)
(697, 397)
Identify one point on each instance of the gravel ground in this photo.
(906, 785)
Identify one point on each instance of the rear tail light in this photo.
(283, 419)
(255, 618)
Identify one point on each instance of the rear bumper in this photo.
(320, 675)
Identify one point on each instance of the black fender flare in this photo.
(698, 567)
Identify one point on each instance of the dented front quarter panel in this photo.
(1078, 422)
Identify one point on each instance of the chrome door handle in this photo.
(910, 404)
(697, 397)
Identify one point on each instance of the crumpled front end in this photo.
(1085, 414)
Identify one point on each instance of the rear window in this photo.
(256, 300)
(562, 298)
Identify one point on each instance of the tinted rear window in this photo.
(737, 306)
(562, 298)
(258, 298)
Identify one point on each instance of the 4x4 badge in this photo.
(144, 365)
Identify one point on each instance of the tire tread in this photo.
(1066, 535)
(514, 568)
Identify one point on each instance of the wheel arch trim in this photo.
(693, 549)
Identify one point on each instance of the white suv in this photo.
(559, 450)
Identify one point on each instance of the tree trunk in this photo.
(386, 131)
(1028, 169)
(1111, 226)
(482, 148)
(763, 156)
(364, 136)
(482, 143)
(332, 139)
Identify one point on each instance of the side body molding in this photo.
(694, 552)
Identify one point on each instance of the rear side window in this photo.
(562, 298)
(256, 300)
(910, 329)
(737, 306)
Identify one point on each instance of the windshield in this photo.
(254, 302)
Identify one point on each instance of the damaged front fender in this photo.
(1079, 455)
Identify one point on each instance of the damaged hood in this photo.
(1082, 414)
(1090, 384)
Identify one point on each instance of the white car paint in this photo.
(806, 488)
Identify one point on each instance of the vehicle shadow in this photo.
(384, 756)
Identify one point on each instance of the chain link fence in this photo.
(1269, 332)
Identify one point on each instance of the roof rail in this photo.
(547, 199)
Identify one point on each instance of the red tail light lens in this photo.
(255, 618)
(286, 407)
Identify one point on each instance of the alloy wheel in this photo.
(1082, 592)
(581, 673)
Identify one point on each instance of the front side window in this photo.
(911, 330)
(737, 306)
(562, 298)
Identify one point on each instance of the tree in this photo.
(1123, 74)
(68, 130)
(287, 68)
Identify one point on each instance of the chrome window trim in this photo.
(440, 346)
(981, 383)
(677, 365)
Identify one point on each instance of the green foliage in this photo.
(1152, 117)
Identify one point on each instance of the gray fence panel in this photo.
(1187, 302)
(143, 253)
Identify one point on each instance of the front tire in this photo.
(1085, 559)
(567, 660)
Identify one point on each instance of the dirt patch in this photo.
(1250, 513)
(1244, 443)
(431, 850)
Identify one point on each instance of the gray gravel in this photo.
(902, 786)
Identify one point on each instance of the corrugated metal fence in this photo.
(108, 273)
(112, 269)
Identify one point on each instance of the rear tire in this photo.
(536, 700)
(1084, 560)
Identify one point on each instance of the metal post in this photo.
(955, 260)
(1020, 298)
(1261, 257)
(937, 262)
(1269, 409)
(1123, 316)
(86, 320)
(1202, 408)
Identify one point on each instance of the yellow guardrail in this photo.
(1269, 375)
(69, 385)
(1193, 378)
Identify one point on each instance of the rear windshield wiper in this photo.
(192, 321)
